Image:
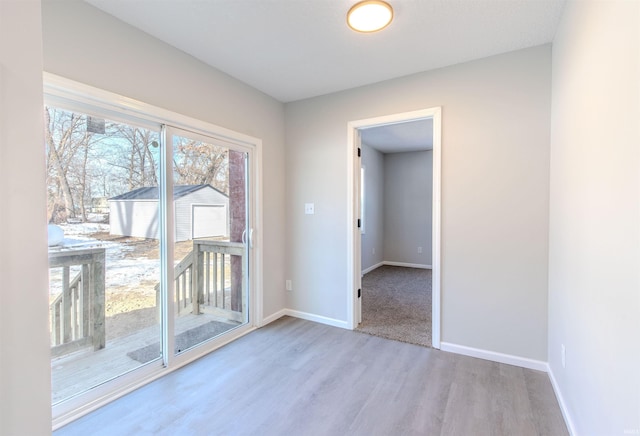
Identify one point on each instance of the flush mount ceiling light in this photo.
(369, 16)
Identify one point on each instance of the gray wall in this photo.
(397, 207)
(407, 207)
(594, 240)
(495, 192)
(25, 397)
(373, 237)
(84, 44)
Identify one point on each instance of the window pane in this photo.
(209, 195)
(102, 193)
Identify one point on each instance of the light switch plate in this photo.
(309, 208)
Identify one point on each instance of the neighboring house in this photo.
(200, 211)
(99, 205)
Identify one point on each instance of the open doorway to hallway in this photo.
(396, 188)
(396, 239)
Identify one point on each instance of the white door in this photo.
(209, 220)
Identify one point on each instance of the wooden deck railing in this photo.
(203, 280)
(77, 314)
(204, 283)
(213, 265)
(183, 274)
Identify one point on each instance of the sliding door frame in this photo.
(59, 91)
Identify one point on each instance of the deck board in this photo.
(79, 371)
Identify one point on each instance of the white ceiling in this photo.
(400, 137)
(295, 49)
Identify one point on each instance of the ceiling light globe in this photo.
(369, 16)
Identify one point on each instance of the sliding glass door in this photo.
(149, 247)
(210, 232)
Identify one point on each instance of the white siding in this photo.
(140, 218)
(184, 210)
(134, 218)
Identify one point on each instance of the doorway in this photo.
(356, 223)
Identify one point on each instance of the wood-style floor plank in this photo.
(296, 377)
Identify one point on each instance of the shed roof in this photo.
(152, 193)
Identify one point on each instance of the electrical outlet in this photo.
(563, 353)
(373, 251)
(288, 285)
(309, 208)
(419, 250)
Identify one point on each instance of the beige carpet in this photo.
(396, 304)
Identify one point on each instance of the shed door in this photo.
(208, 220)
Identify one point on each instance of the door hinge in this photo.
(359, 293)
(359, 152)
(359, 223)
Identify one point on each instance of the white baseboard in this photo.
(406, 265)
(391, 263)
(371, 268)
(563, 406)
(271, 318)
(493, 356)
(317, 318)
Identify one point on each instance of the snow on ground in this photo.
(121, 269)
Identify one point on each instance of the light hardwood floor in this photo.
(296, 377)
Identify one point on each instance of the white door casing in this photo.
(354, 308)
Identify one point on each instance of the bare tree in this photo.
(142, 167)
(197, 163)
(131, 154)
(83, 164)
(65, 134)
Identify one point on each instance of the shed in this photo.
(200, 211)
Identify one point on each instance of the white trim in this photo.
(58, 89)
(406, 265)
(563, 405)
(436, 253)
(353, 273)
(371, 268)
(362, 193)
(257, 281)
(493, 356)
(273, 317)
(353, 282)
(391, 263)
(317, 318)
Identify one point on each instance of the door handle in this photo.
(244, 238)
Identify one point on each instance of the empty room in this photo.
(182, 247)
